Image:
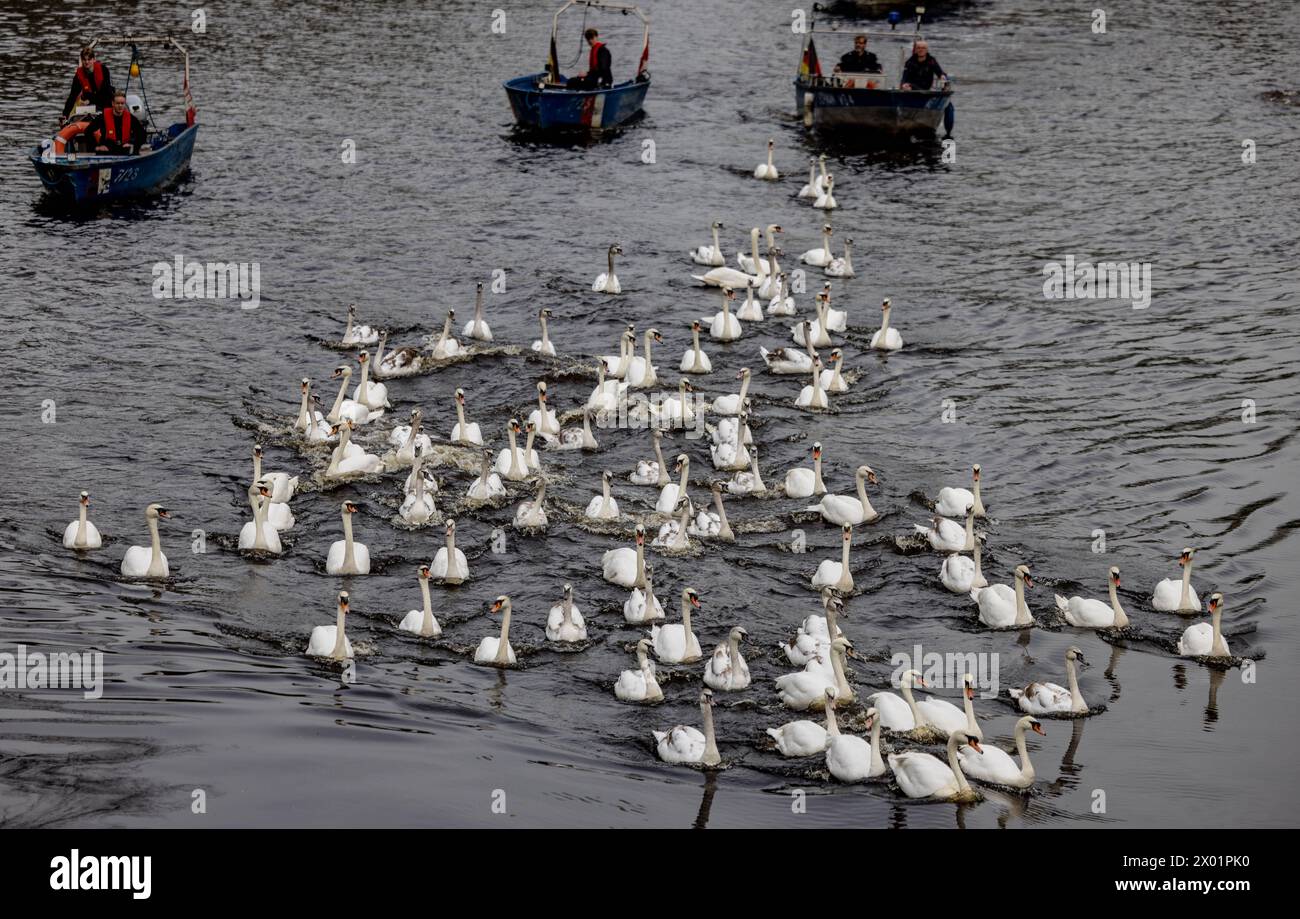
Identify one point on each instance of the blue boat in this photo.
(69, 168)
(541, 101)
(869, 105)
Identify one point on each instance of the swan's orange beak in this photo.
(695, 602)
(974, 744)
(163, 512)
(1029, 582)
(1038, 729)
(970, 692)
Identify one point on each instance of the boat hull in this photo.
(889, 112)
(90, 179)
(573, 110)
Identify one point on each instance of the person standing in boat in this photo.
(91, 83)
(859, 60)
(921, 70)
(116, 131)
(598, 75)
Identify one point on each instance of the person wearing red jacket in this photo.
(598, 75)
(116, 130)
(91, 83)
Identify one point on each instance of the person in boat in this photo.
(859, 60)
(921, 69)
(115, 130)
(598, 75)
(91, 84)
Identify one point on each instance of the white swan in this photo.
(674, 536)
(531, 515)
(886, 338)
(812, 332)
(356, 334)
(752, 309)
(543, 417)
(543, 345)
(952, 502)
(81, 533)
(421, 621)
(373, 396)
(946, 717)
(787, 361)
(608, 394)
(842, 267)
(495, 650)
(747, 481)
(728, 451)
(814, 633)
(673, 492)
(726, 669)
(750, 261)
(1202, 640)
(843, 509)
(948, 535)
(813, 397)
(642, 374)
(346, 459)
(449, 564)
(626, 567)
(833, 379)
(1172, 596)
(487, 486)
(400, 362)
(1086, 613)
(465, 433)
(724, 326)
(578, 438)
(826, 200)
(675, 643)
(347, 556)
(511, 462)
(564, 622)
(685, 744)
(921, 775)
(994, 766)
(767, 170)
(346, 409)
(310, 423)
(420, 471)
(616, 365)
(694, 360)
(804, 738)
(639, 685)
(732, 403)
(781, 304)
(713, 524)
(1052, 698)
(807, 688)
(418, 507)
(643, 606)
(820, 258)
(960, 574)
(476, 327)
(679, 411)
(837, 574)
(812, 188)
(446, 346)
(331, 641)
(651, 472)
(607, 282)
(710, 255)
(1002, 607)
(850, 758)
(141, 562)
(257, 534)
(603, 506)
(900, 714)
(802, 482)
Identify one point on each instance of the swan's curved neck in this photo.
(717, 247)
(1022, 608)
(338, 401)
(979, 502)
(349, 548)
(724, 528)
(845, 582)
(1121, 618)
(744, 388)
(1076, 698)
(978, 573)
(451, 549)
(304, 418)
(819, 488)
(460, 418)
(503, 645)
(1026, 767)
(681, 487)
(867, 509)
(659, 456)
(832, 723)
(845, 691)
(877, 764)
(686, 615)
(640, 565)
(514, 471)
(970, 529)
(681, 539)
(1217, 646)
(546, 341)
(426, 626)
(340, 637)
(695, 347)
(81, 524)
(478, 308)
(1185, 600)
(884, 320)
(753, 249)
(911, 702)
(711, 755)
(969, 704)
(955, 764)
(365, 378)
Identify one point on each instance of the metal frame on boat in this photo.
(540, 100)
(88, 177)
(869, 104)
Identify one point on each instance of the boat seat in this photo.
(862, 80)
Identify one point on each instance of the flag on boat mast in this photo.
(645, 54)
(809, 66)
(553, 63)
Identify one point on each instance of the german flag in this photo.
(809, 66)
(645, 55)
(553, 63)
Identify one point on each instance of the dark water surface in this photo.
(1085, 414)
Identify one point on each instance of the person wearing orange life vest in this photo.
(91, 83)
(116, 130)
(598, 75)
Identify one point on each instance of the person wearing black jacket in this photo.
(115, 130)
(859, 60)
(921, 70)
(598, 75)
(91, 83)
